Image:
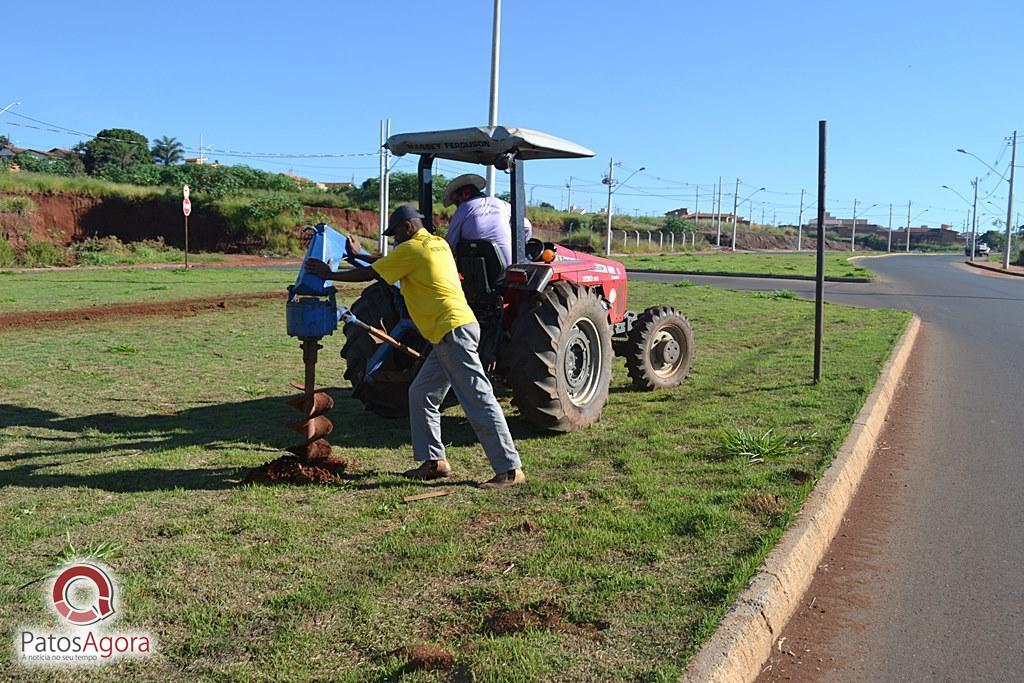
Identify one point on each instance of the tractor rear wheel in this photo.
(659, 350)
(561, 358)
(388, 392)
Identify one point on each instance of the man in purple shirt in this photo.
(479, 217)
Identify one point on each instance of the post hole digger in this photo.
(312, 312)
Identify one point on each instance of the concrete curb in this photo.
(743, 641)
(994, 269)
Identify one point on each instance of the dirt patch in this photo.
(175, 309)
(425, 658)
(543, 615)
(530, 527)
(292, 469)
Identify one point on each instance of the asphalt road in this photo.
(925, 580)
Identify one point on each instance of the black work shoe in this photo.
(429, 470)
(505, 479)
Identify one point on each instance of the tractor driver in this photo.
(437, 305)
(479, 217)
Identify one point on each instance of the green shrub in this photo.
(23, 206)
(42, 254)
(7, 256)
(105, 251)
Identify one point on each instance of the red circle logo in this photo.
(83, 616)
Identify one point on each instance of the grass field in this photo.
(59, 289)
(624, 549)
(780, 264)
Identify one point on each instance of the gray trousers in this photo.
(454, 363)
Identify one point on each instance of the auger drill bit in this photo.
(313, 404)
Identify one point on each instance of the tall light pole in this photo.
(611, 183)
(492, 117)
(853, 234)
(718, 214)
(735, 205)
(12, 104)
(909, 221)
(974, 213)
(888, 249)
(1009, 198)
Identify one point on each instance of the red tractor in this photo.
(550, 322)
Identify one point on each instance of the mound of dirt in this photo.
(543, 615)
(425, 658)
(292, 469)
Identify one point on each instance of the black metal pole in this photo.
(518, 212)
(426, 191)
(819, 276)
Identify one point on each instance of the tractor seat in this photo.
(481, 264)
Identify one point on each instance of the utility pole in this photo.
(696, 208)
(974, 220)
(492, 117)
(611, 179)
(382, 219)
(908, 226)
(889, 248)
(853, 234)
(735, 208)
(762, 213)
(800, 222)
(568, 203)
(718, 214)
(1009, 204)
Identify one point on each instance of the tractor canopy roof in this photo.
(483, 144)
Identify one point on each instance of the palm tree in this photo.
(167, 151)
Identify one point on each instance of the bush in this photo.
(23, 206)
(7, 256)
(42, 254)
(105, 251)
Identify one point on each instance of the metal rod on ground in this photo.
(1009, 205)
(492, 115)
(819, 276)
(735, 208)
(800, 222)
(611, 179)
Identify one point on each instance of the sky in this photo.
(688, 91)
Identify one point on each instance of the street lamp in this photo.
(613, 185)
(911, 220)
(735, 205)
(974, 215)
(853, 233)
(1009, 198)
(12, 104)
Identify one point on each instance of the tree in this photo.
(167, 151)
(4, 141)
(115, 149)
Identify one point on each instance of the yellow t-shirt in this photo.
(430, 284)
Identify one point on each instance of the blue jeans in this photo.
(454, 363)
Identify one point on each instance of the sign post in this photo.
(186, 208)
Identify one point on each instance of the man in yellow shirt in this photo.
(433, 294)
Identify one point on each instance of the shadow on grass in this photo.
(256, 426)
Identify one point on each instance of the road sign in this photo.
(184, 191)
(186, 206)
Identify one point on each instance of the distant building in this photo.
(702, 216)
(337, 186)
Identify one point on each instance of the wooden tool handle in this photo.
(387, 338)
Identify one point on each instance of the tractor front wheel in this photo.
(561, 358)
(659, 351)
